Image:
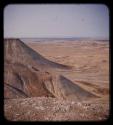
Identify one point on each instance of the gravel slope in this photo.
(51, 109)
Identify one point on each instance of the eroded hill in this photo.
(29, 74)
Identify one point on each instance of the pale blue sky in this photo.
(56, 20)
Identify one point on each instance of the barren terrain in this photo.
(86, 82)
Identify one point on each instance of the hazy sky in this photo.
(56, 20)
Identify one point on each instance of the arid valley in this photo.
(59, 80)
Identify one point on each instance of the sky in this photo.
(56, 20)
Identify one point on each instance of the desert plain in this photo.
(89, 62)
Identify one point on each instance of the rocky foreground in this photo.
(51, 109)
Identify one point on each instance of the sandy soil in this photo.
(89, 59)
(90, 62)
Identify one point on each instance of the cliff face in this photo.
(29, 74)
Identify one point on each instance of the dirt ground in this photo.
(51, 109)
(90, 62)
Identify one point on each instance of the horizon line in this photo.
(61, 37)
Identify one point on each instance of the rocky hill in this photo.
(29, 74)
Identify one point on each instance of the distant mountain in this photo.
(62, 39)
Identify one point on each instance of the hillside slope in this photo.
(28, 74)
